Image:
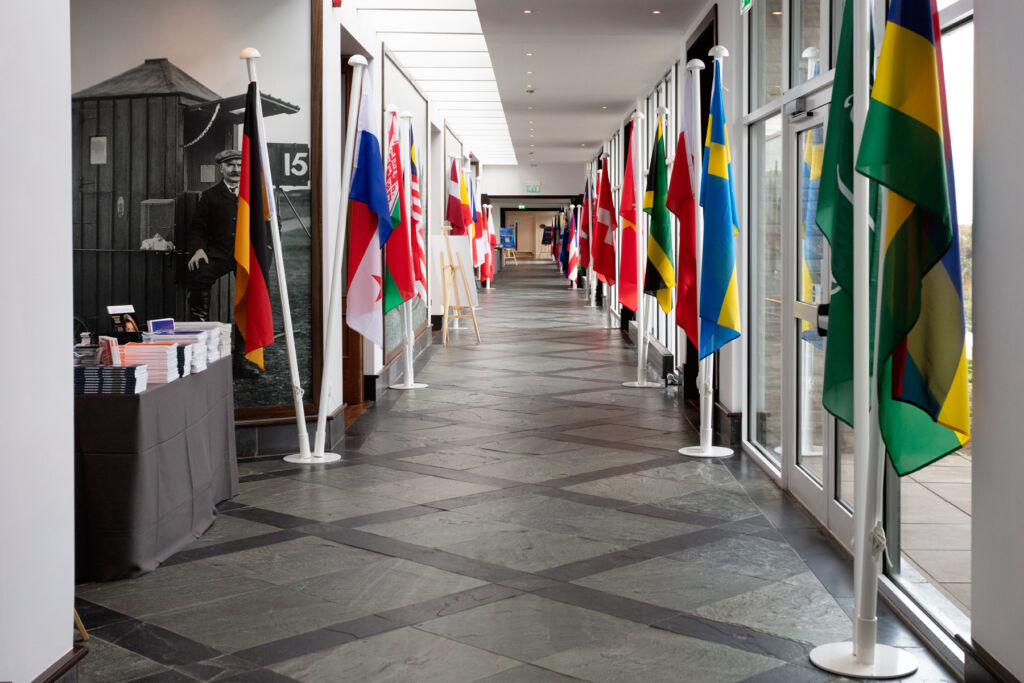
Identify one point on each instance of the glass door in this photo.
(810, 446)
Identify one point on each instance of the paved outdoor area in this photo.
(525, 518)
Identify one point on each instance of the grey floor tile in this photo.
(543, 468)
(386, 584)
(291, 561)
(530, 445)
(748, 555)
(798, 608)
(665, 582)
(527, 674)
(251, 619)
(441, 529)
(530, 550)
(407, 654)
(230, 528)
(108, 663)
(529, 627)
(652, 655)
(460, 458)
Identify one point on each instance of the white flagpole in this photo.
(641, 260)
(863, 657)
(591, 276)
(610, 234)
(250, 55)
(408, 335)
(358, 63)
(706, 367)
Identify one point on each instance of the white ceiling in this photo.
(587, 54)
(590, 60)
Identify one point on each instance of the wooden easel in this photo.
(449, 286)
(511, 254)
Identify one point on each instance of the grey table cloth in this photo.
(149, 469)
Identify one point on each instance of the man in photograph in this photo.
(210, 237)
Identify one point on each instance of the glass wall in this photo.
(765, 52)
(765, 338)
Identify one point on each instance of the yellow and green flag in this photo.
(660, 275)
(922, 366)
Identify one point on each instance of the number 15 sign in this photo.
(289, 164)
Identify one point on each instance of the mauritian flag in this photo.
(252, 240)
(719, 292)
(371, 219)
(419, 247)
(661, 276)
(399, 281)
(923, 408)
(628, 243)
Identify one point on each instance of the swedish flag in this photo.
(719, 291)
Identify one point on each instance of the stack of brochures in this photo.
(162, 359)
(110, 379)
(196, 340)
(218, 337)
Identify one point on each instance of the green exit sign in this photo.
(745, 6)
(522, 206)
(532, 188)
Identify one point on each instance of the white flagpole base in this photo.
(414, 385)
(645, 384)
(709, 452)
(838, 658)
(299, 459)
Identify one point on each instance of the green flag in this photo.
(835, 220)
(660, 276)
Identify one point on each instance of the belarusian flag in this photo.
(453, 213)
(604, 236)
(628, 244)
(252, 241)
(419, 247)
(660, 277)
(371, 218)
(923, 409)
(682, 202)
(398, 268)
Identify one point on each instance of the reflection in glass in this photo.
(811, 247)
(766, 289)
(810, 39)
(844, 464)
(811, 423)
(765, 52)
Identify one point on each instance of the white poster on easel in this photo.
(460, 245)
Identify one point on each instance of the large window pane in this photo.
(811, 421)
(810, 39)
(766, 286)
(766, 52)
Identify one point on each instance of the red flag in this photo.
(399, 279)
(574, 248)
(681, 202)
(585, 228)
(628, 246)
(252, 242)
(604, 232)
(487, 267)
(454, 214)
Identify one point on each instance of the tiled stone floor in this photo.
(525, 518)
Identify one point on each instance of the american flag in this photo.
(419, 250)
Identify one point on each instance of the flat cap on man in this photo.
(227, 155)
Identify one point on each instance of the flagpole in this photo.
(706, 366)
(576, 239)
(358, 63)
(490, 249)
(607, 288)
(588, 196)
(408, 337)
(250, 55)
(641, 261)
(863, 657)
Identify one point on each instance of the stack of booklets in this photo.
(218, 338)
(162, 359)
(110, 379)
(197, 341)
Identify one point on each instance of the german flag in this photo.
(252, 241)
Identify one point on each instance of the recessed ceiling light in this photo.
(529, 73)
(531, 145)
(604, 106)
(530, 107)
(777, 14)
(531, 122)
(531, 136)
(655, 11)
(583, 144)
(527, 11)
(529, 54)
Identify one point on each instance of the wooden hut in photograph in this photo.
(143, 148)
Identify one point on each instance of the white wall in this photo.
(998, 535)
(554, 179)
(37, 542)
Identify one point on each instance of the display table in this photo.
(149, 469)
